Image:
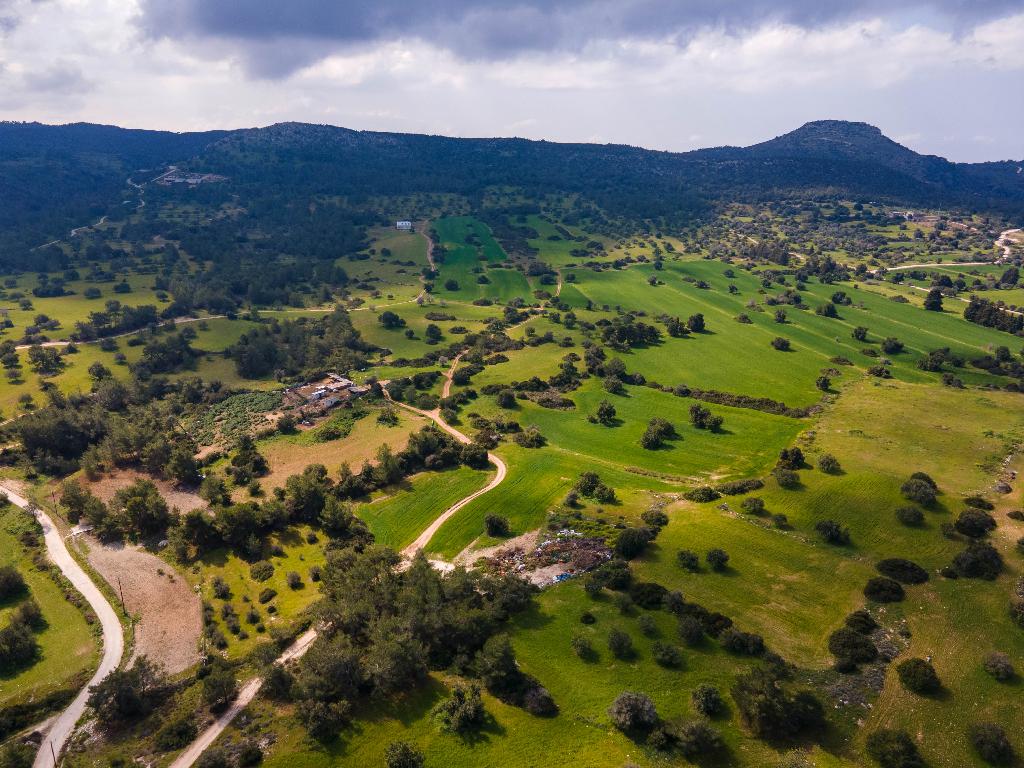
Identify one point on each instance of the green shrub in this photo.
(918, 676)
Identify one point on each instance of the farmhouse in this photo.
(318, 397)
(403, 226)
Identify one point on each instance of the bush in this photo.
(462, 713)
(903, 571)
(745, 643)
(919, 490)
(851, 647)
(697, 738)
(702, 494)
(832, 532)
(882, 589)
(620, 644)
(633, 712)
(980, 561)
(974, 523)
(267, 595)
(261, 571)
(293, 580)
(176, 734)
(11, 583)
(688, 559)
(911, 516)
(631, 542)
(717, 559)
(828, 463)
(918, 676)
(770, 711)
(666, 655)
(497, 526)
(753, 505)
(861, 621)
(990, 742)
(786, 478)
(401, 754)
(691, 630)
(781, 344)
(894, 749)
(707, 700)
(582, 647)
(249, 754)
(648, 594)
(998, 665)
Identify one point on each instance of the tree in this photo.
(401, 754)
(832, 532)
(696, 323)
(182, 466)
(11, 582)
(781, 344)
(860, 333)
(998, 665)
(219, 687)
(497, 526)
(893, 749)
(707, 700)
(828, 464)
(882, 589)
(390, 320)
(991, 744)
(688, 559)
(916, 489)
(620, 644)
(633, 713)
(918, 676)
(126, 695)
(974, 523)
(933, 301)
(823, 383)
(141, 507)
(770, 711)
(717, 559)
(605, 414)
(462, 712)
(980, 560)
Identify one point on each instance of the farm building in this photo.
(403, 226)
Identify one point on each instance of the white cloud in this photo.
(88, 60)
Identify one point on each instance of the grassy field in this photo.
(472, 252)
(68, 649)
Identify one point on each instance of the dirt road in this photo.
(113, 639)
(245, 696)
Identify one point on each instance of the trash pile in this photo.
(559, 554)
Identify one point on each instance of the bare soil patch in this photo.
(169, 612)
(111, 483)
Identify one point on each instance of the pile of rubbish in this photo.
(569, 549)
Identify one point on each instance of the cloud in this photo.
(277, 37)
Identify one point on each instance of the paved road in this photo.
(187, 758)
(113, 639)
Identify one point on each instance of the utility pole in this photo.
(121, 592)
(54, 755)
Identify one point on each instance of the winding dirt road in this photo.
(113, 639)
(245, 696)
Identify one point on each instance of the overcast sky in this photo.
(941, 76)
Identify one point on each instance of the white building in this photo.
(404, 226)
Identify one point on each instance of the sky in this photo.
(941, 76)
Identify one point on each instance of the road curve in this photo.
(435, 415)
(245, 696)
(113, 639)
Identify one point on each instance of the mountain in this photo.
(55, 177)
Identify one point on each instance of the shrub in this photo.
(261, 571)
(11, 583)
(990, 742)
(753, 505)
(249, 754)
(861, 621)
(903, 571)
(688, 559)
(293, 580)
(918, 676)
(691, 630)
(882, 589)
(770, 711)
(667, 655)
(745, 643)
(851, 647)
(631, 542)
(828, 463)
(267, 595)
(833, 532)
(998, 665)
(702, 494)
(707, 700)
(221, 589)
(620, 644)
(980, 561)
(781, 344)
(648, 594)
(633, 712)
(717, 559)
(786, 478)
(176, 734)
(697, 738)
(401, 754)
(919, 490)
(911, 516)
(497, 526)
(893, 749)
(582, 647)
(654, 518)
(974, 523)
(462, 712)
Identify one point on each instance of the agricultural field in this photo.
(698, 443)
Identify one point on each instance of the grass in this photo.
(68, 649)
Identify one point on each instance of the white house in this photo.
(404, 226)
